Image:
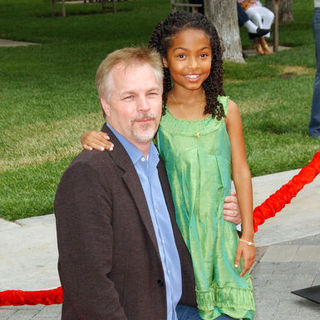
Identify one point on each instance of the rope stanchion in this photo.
(266, 210)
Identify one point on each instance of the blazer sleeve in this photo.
(85, 240)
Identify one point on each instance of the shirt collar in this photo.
(134, 153)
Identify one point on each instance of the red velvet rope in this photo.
(19, 297)
(284, 195)
(265, 211)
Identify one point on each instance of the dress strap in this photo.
(224, 100)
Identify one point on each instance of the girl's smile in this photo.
(193, 77)
(189, 58)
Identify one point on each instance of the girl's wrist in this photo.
(249, 243)
(248, 236)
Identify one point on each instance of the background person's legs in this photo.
(253, 30)
(314, 125)
(261, 16)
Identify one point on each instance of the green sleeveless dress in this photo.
(197, 156)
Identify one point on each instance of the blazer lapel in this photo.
(131, 179)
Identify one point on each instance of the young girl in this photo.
(201, 141)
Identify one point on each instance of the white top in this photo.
(317, 3)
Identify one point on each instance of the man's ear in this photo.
(165, 62)
(105, 106)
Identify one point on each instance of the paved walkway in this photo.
(11, 43)
(250, 52)
(288, 257)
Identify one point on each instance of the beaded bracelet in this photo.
(249, 243)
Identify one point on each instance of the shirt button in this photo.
(160, 283)
(143, 159)
(163, 241)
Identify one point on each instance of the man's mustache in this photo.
(144, 116)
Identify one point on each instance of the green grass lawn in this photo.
(48, 97)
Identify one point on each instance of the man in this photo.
(121, 255)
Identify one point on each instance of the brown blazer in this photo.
(109, 263)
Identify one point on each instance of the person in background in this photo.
(254, 31)
(314, 125)
(263, 18)
(197, 9)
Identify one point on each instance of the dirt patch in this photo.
(292, 71)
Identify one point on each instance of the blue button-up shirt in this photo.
(146, 168)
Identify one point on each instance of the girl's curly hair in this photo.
(161, 40)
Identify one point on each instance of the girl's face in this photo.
(189, 58)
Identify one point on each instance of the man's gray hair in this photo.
(126, 57)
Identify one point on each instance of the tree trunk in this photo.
(285, 10)
(223, 14)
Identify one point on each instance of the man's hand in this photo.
(231, 210)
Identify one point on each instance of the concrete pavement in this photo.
(288, 256)
(11, 43)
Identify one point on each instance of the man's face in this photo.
(135, 102)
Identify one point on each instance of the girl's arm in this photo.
(97, 140)
(242, 180)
